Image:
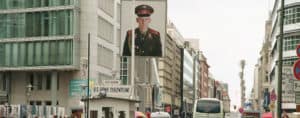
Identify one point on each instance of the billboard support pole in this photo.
(132, 53)
(88, 79)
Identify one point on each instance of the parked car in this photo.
(160, 115)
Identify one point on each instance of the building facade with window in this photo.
(44, 43)
(261, 79)
(204, 76)
(290, 41)
(169, 73)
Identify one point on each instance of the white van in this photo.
(208, 108)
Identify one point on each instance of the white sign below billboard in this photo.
(113, 91)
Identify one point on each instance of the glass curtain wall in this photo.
(292, 15)
(21, 4)
(291, 42)
(36, 24)
(38, 53)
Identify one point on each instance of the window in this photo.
(206, 106)
(48, 81)
(289, 61)
(266, 79)
(122, 114)
(292, 15)
(94, 114)
(57, 81)
(36, 24)
(22, 54)
(31, 80)
(48, 103)
(45, 53)
(15, 54)
(35, 102)
(2, 82)
(124, 70)
(53, 52)
(105, 30)
(291, 42)
(104, 57)
(38, 102)
(107, 6)
(107, 112)
(31, 102)
(7, 54)
(17, 4)
(30, 53)
(36, 53)
(39, 83)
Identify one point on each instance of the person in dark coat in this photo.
(147, 40)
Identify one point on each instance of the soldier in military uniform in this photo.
(147, 40)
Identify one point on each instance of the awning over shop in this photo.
(267, 115)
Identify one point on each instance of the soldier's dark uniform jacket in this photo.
(147, 44)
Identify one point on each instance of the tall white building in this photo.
(45, 44)
(290, 41)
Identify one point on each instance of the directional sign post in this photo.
(296, 69)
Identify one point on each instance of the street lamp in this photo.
(28, 92)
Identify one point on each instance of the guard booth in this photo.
(111, 107)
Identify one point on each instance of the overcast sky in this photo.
(229, 30)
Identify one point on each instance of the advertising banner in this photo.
(148, 19)
(288, 94)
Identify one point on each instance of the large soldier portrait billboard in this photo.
(148, 20)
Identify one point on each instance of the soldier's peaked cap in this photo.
(143, 10)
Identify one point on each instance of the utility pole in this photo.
(279, 44)
(88, 79)
(242, 64)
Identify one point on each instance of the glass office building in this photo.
(37, 46)
(44, 43)
(36, 32)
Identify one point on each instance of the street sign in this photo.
(296, 69)
(241, 110)
(112, 90)
(75, 89)
(112, 82)
(296, 85)
(298, 50)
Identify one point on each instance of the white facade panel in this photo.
(289, 53)
(287, 2)
(291, 27)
